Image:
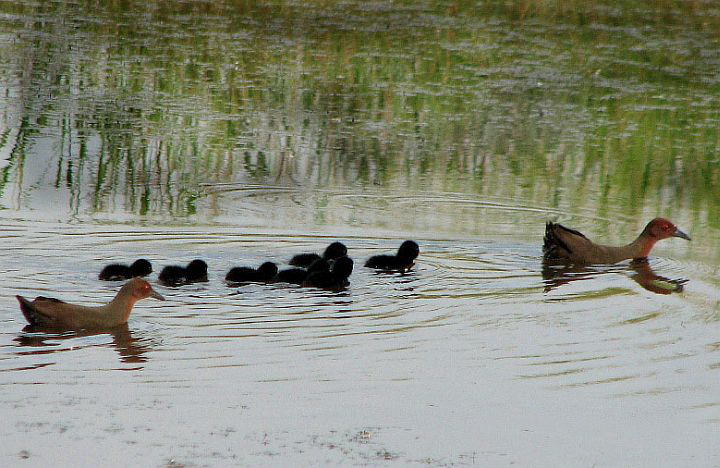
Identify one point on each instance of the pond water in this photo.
(239, 132)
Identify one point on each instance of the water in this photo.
(243, 133)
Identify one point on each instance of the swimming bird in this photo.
(403, 261)
(47, 311)
(568, 245)
(298, 275)
(333, 251)
(117, 271)
(263, 274)
(336, 278)
(175, 275)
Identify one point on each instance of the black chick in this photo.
(403, 261)
(175, 275)
(263, 274)
(335, 279)
(117, 271)
(333, 251)
(298, 275)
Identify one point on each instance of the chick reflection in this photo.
(556, 275)
(130, 348)
(399, 276)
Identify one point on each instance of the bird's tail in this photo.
(32, 315)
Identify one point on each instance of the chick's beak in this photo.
(681, 235)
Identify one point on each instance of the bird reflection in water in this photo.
(130, 348)
(557, 274)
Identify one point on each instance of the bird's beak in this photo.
(681, 235)
(156, 295)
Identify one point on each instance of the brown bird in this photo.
(56, 313)
(568, 245)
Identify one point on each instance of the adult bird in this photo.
(570, 246)
(46, 311)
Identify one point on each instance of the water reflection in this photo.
(648, 279)
(556, 275)
(268, 126)
(469, 312)
(44, 340)
(480, 107)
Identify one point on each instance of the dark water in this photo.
(239, 132)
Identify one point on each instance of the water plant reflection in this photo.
(137, 106)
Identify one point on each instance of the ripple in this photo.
(489, 295)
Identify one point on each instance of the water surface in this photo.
(242, 132)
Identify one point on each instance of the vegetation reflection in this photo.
(138, 106)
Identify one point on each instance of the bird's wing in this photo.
(39, 310)
(564, 243)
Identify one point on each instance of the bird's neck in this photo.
(121, 306)
(640, 247)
